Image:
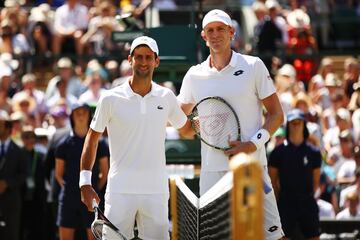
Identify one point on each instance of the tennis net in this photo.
(225, 211)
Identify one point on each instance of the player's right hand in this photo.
(87, 195)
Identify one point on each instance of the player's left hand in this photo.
(240, 147)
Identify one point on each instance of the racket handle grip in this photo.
(94, 203)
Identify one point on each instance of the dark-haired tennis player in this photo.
(135, 115)
(244, 82)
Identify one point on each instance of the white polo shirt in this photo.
(136, 128)
(76, 18)
(243, 83)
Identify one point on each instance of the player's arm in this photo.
(86, 164)
(187, 131)
(59, 171)
(273, 121)
(274, 176)
(316, 179)
(275, 115)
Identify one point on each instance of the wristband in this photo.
(260, 138)
(85, 178)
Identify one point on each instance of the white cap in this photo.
(298, 19)
(344, 114)
(144, 40)
(287, 70)
(216, 15)
(5, 71)
(4, 116)
(271, 4)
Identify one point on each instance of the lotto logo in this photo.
(273, 228)
(239, 72)
(259, 136)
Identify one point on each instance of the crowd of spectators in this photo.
(52, 29)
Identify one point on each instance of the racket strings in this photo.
(97, 228)
(215, 122)
(102, 231)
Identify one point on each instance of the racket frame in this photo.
(192, 116)
(100, 218)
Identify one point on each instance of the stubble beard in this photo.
(142, 74)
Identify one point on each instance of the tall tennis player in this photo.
(244, 82)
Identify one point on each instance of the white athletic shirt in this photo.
(136, 131)
(243, 83)
(76, 18)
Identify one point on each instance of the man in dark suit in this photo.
(12, 177)
(34, 193)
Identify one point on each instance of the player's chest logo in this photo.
(238, 72)
(306, 161)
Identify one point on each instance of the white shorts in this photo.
(150, 211)
(272, 223)
(208, 179)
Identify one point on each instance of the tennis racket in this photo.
(102, 228)
(215, 122)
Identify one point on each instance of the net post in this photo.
(173, 209)
(247, 198)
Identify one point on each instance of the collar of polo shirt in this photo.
(232, 62)
(130, 93)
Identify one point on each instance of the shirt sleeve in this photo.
(101, 116)
(274, 158)
(264, 83)
(60, 150)
(82, 20)
(103, 149)
(186, 95)
(317, 159)
(177, 117)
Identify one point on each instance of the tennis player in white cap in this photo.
(244, 82)
(135, 115)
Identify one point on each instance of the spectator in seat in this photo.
(41, 29)
(112, 68)
(352, 211)
(351, 75)
(95, 79)
(125, 73)
(346, 176)
(318, 80)
(301, 42)
(354, 187)
(29, 86)
(5, 78)
(70, 23)
(10, 41)
(97, 40)
(66, 73)
(268, 37)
